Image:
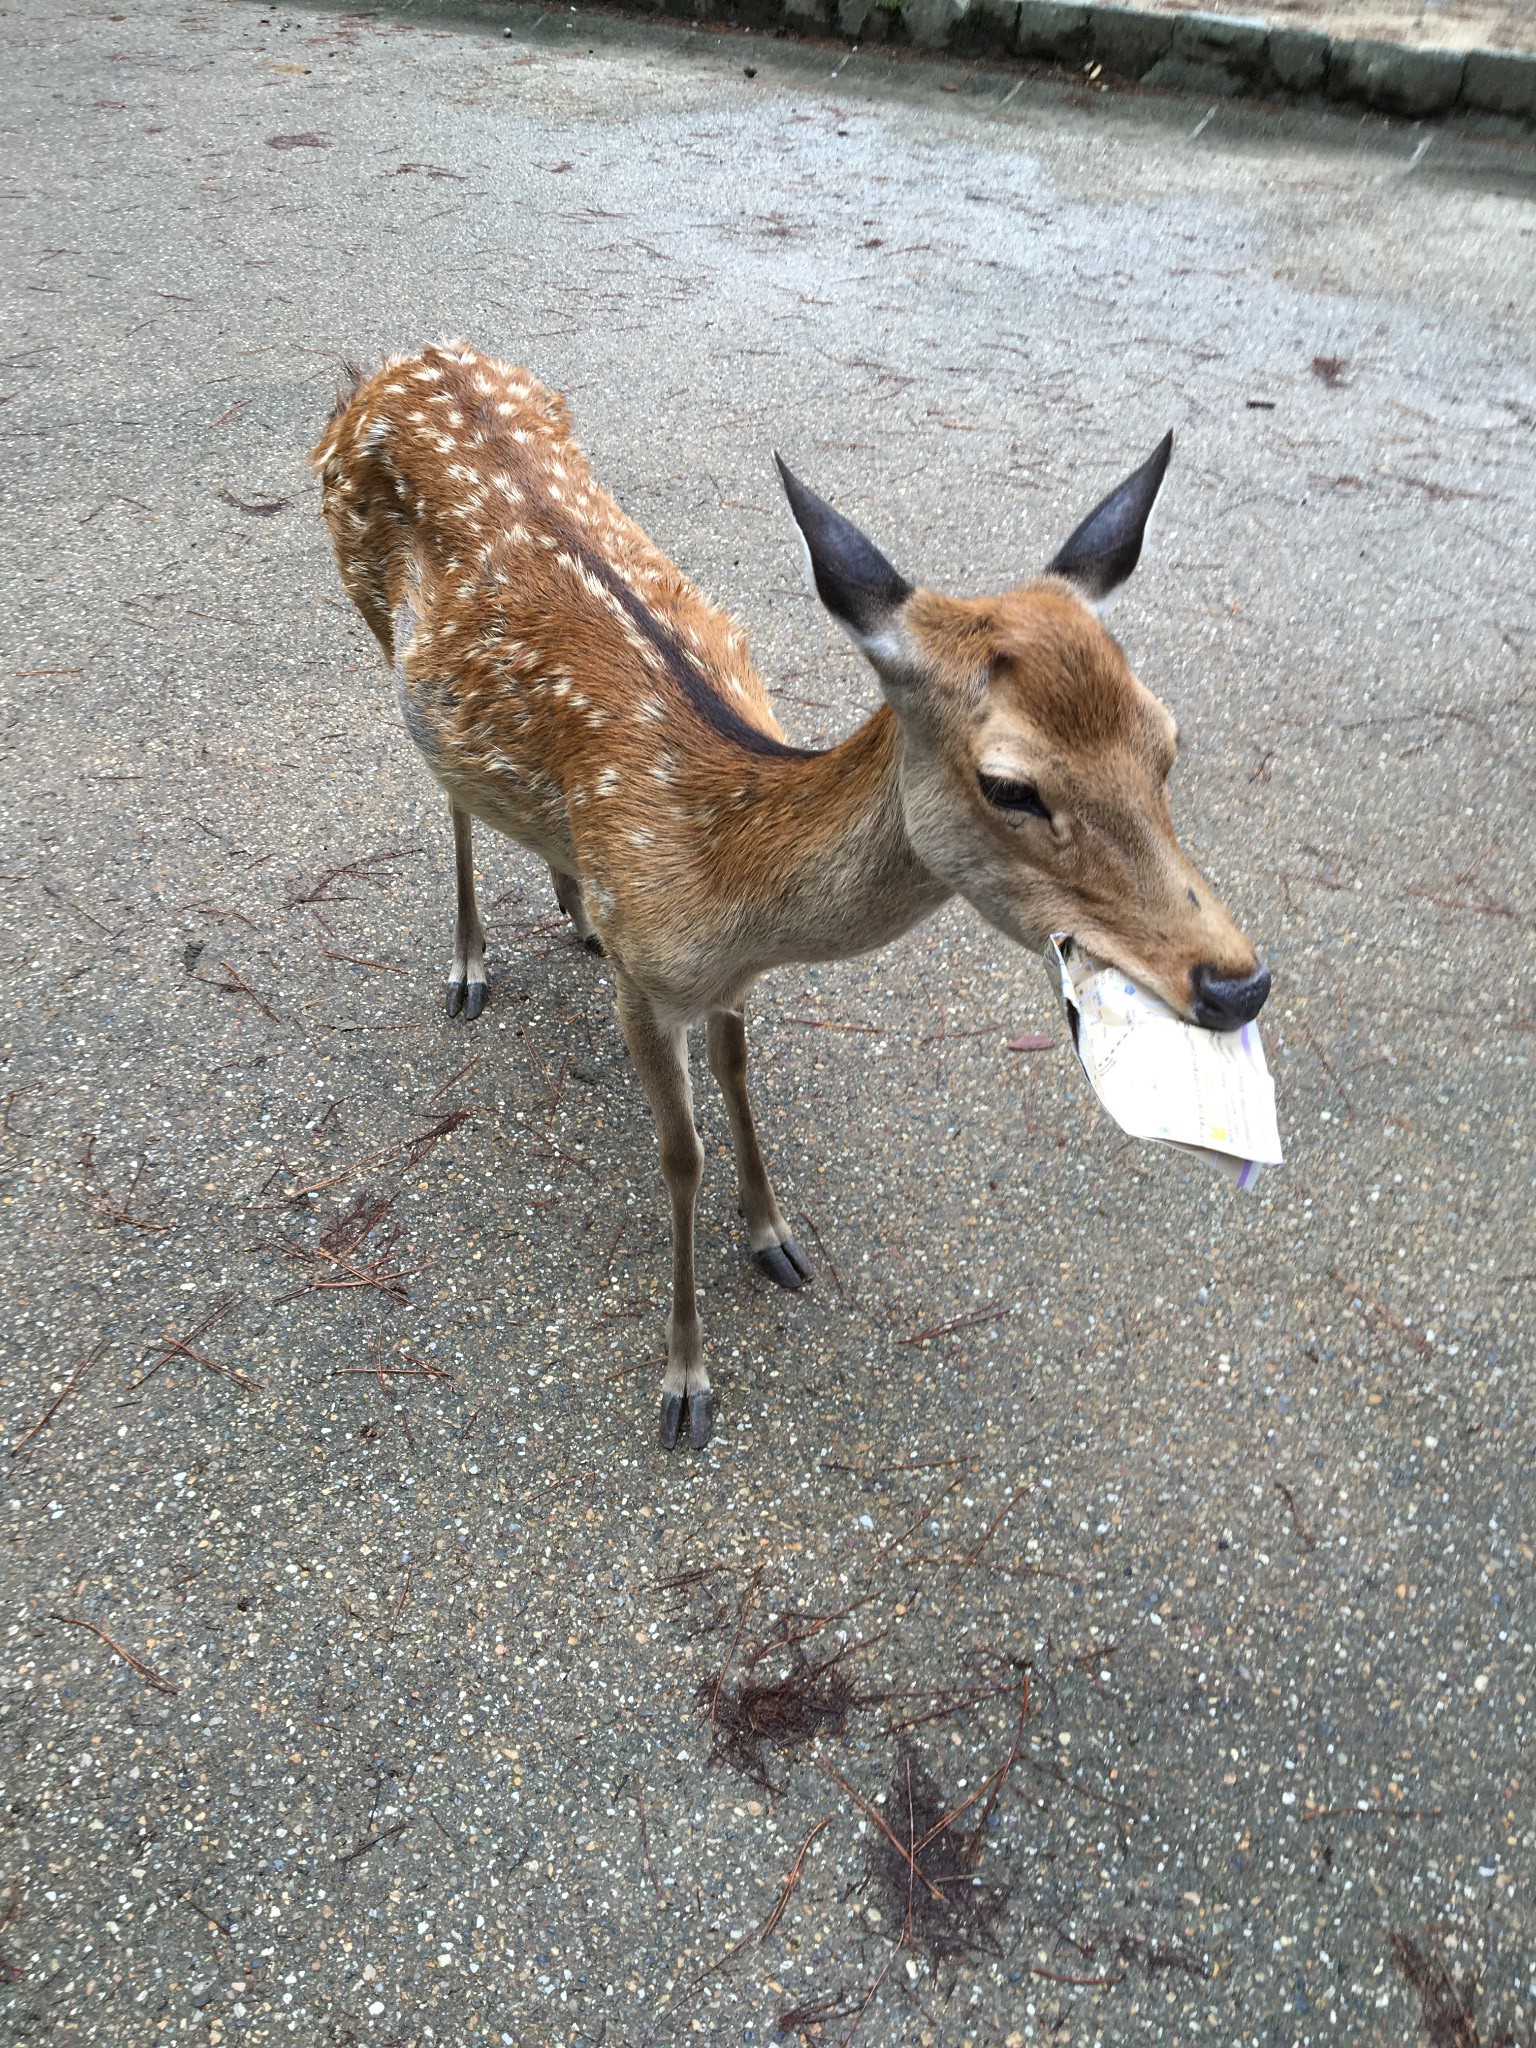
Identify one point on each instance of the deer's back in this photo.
(452, 483)
(553, 664)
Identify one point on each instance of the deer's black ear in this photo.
(853, 579)
(1107, 546)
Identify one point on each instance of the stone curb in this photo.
(1223, 55)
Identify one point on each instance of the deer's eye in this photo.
(1021, 798)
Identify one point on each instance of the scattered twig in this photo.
(357, 960)
(1447, 2009)
(1304, 1534)
(992, 1527)
(151, 1677)
(262, 508)
(741, 1621)
(1323, 1061)
(91, 1358)
(86, 916)
(372, 1842)
(187, 1899)
(364, 869)
(1370, 1809)
(12, 1097)
(889, 1549)
(98, 1196)
(9, 1973)
(237, 985)
(1373, 1310)
(832, 1024)
(993, 1787)
(613, 1244)
(220, 915)
(182, 1347)
(408, 1152)
(418, 1369)
(461, 1074)
(870, 1813)
(965, 1322)
(869, 1998)
(964, 1701)
(645, 1850)
(340, 1273)
(815, 2013)
(810, 1224)
(791, 1880)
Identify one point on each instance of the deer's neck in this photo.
(815, 855)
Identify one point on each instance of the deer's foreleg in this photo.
(467, 988)
(773, 1247)
(660, 1054)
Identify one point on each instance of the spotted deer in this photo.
(567, 685)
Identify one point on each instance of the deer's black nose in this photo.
(1223, 1002)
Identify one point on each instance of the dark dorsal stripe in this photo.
(682, 669)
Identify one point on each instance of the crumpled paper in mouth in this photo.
(1173, 1083)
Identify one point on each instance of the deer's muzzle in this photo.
(1224, 1002)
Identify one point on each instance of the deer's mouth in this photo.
(1203, 995)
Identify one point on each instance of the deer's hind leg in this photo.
(568, 894)
(773, 1247)
(660, 1053)
(467, 985)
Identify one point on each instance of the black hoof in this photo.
(474, 1001)
(784, 1264)
(453, 1000)
(671, 1419)
(698, 1420)
(593, 944)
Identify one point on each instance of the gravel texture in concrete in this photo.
(1164, 1556)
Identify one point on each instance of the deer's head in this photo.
(1034, 762)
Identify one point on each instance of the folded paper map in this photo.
(1207, 1092)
